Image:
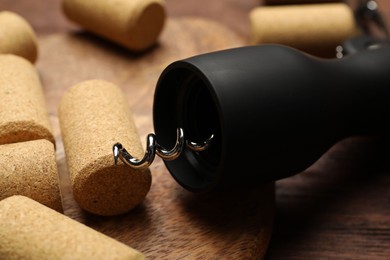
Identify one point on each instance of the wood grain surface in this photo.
(337, 209)
(171, 223)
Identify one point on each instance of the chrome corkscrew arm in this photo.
(153, 148)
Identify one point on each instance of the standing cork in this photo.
(30, 169)
(94, 115)
(23, 113)
(29, 230)
(314, 28)
(134, 24)
(17, 37)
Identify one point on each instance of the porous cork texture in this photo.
(23, 113)
(17, 36)
(30, 230)
(134, 24)
(305, 27)
(30, 169)
(94, 115)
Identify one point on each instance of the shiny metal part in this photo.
(368, 16)
(153, 148)
(199, 147)
(368, 12)
(175, 152)
(121, 153)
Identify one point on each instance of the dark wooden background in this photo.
(337, 209)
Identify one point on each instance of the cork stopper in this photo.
(29, 230)
(134, 24)
(23, 113)
(30, 169)
(94, 115)
(17, 37)
(313, 28)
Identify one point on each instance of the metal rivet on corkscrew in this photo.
(367, 17)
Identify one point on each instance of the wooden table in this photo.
(337, 209)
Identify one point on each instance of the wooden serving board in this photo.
(171, 223)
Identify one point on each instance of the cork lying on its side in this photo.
(94, 115)
(29, 230)
(23, 113)
(30, 169)
(17, 37)
(311, 27)
(134, 24)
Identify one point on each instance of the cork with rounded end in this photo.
(17, 36)
(30, 169)
(29, 230)
(94, 115)
(134, 24)
(23, 113)
(315, 28)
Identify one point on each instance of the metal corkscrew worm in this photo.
(153, 148)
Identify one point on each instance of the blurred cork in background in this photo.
(17, 36)
(134, 24)
(314, 28)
